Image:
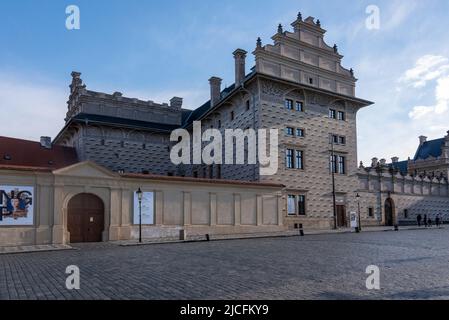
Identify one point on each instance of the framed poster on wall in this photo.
(16, 206)
(147, 208)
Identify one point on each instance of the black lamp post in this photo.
(333, 166)
(358, 206)
(139, 196)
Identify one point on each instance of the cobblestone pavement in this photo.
(413, 264)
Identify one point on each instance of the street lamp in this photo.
(333, 166)
(139, 197)
(358, 205)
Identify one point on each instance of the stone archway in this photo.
(389, 212)
(85, 218)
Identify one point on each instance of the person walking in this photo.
(419, 218)
(437, 220)
(425, 220)
(429, 222)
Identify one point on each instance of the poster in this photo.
(147, 208)
(354, 221)
(16, 206)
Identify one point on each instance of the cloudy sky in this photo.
(158, 49)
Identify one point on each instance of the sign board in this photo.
(354, 221)
(16, 206)
(147, 208)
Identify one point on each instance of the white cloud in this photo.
(427, 68)
(433, 114)
(34, 109)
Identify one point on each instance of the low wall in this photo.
(194, 206)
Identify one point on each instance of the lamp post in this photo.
(139, 197)
(333, 169)
(358, 207)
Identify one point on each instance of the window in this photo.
(299, 106)
(289, 158)
(144, 146)
(310, 80)
(296, 205)
(289, 131)
(218, 171)
(338, 164)
(334, 139)
(219, 124)
(370, 212)
(211, 172)
(102, 142)
(302, 205)
(299, 160)
(332, 114)
(333, 164)
(289, 104)
(341, 165)
(232, 115)
(341, 116)
(122, 144)
(247, 105)
(300, 132)
(291, 207)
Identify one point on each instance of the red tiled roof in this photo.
(201, 180)
(23, 154)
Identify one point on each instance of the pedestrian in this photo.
(437, 220)
(429, 222)
(419, 218)
(425, 220)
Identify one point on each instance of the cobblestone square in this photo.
(413, 265)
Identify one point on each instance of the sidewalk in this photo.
(37, 248)
(369, 229)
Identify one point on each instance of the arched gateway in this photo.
(85, 218)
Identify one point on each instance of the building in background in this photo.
(110, 145)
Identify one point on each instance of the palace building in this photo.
(82, 185)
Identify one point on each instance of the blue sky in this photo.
(159, 49)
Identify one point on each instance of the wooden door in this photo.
(85, 220)
(341, 216)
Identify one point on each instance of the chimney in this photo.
(176, 102)
(422, 139)
(46, 142)
(239, 57)
(215, 91)
(383, 162)
(374, 162)
(395, 159)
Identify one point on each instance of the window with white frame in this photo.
(289, 131)
(296, 205)
(289, 158)
(289, 104)
(291, 205)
